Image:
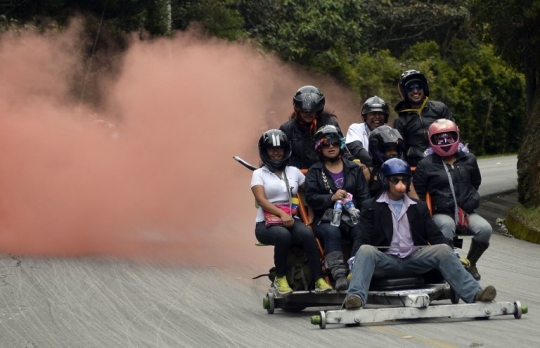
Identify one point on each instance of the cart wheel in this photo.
(322, 324)
(271, 303)
(518, 310)
(524, 309)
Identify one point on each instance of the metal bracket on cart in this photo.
(378, 315)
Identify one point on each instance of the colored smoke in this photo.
(159, 181)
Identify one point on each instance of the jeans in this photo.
(478, 227)
(333, 236)
(282, 238)
(371, 262)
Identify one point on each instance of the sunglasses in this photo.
(395, 180)
(334, 143)
(412, 87)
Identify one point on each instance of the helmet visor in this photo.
(444, 138)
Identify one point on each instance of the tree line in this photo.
(480, 56)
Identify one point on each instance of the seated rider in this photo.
(398, 238)
(384, 142)
(448, 158)
(375, 113)
(416, 113)
(308, 116)
(333, 179)
(277, 182)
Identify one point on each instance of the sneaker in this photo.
(322, 286)
(487, 294)
(341, 284)
(353, 302)
(282, 286)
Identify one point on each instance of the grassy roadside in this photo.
(524, 223)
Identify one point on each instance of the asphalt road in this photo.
(60, 302)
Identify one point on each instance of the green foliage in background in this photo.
(365, 44)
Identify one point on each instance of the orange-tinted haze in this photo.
(167, 186)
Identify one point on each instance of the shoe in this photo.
(282, 286)
(474, 272)
(322, 286)
(349, 277)
(487, 294)
(341, 284)
(353, 302)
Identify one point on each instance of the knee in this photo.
(444, 251)
(366, 251)
(282, 234)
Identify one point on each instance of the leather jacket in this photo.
(301, 139)
(413, 126)
(319, 198)
(430, 176)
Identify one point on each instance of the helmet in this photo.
(443, 137)
(394, 166)
(308, 99)
(382, 137)
(274, 138)
(326, 133)
(375, 104)
(409, 76)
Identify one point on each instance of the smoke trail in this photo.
(159, 182)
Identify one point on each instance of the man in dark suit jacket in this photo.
(398, 238)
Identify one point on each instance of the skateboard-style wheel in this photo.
(518, 310)
(322, 324)
(271, 303)
(315, 320)
(524, 309)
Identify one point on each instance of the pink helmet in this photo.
(443, 136)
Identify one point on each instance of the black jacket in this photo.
(430, 176)
(318, 197)
(376, 226)
(413, 127)
(301, 139)
(357, 150)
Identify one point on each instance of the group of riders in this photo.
(369, 188)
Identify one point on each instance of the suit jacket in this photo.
(376, 226)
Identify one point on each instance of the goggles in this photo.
(444, 138)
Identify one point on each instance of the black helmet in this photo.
(308, 99)
(394, 166)
(382, 137)
(274, 138)
(409, 76)
(375, 104)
